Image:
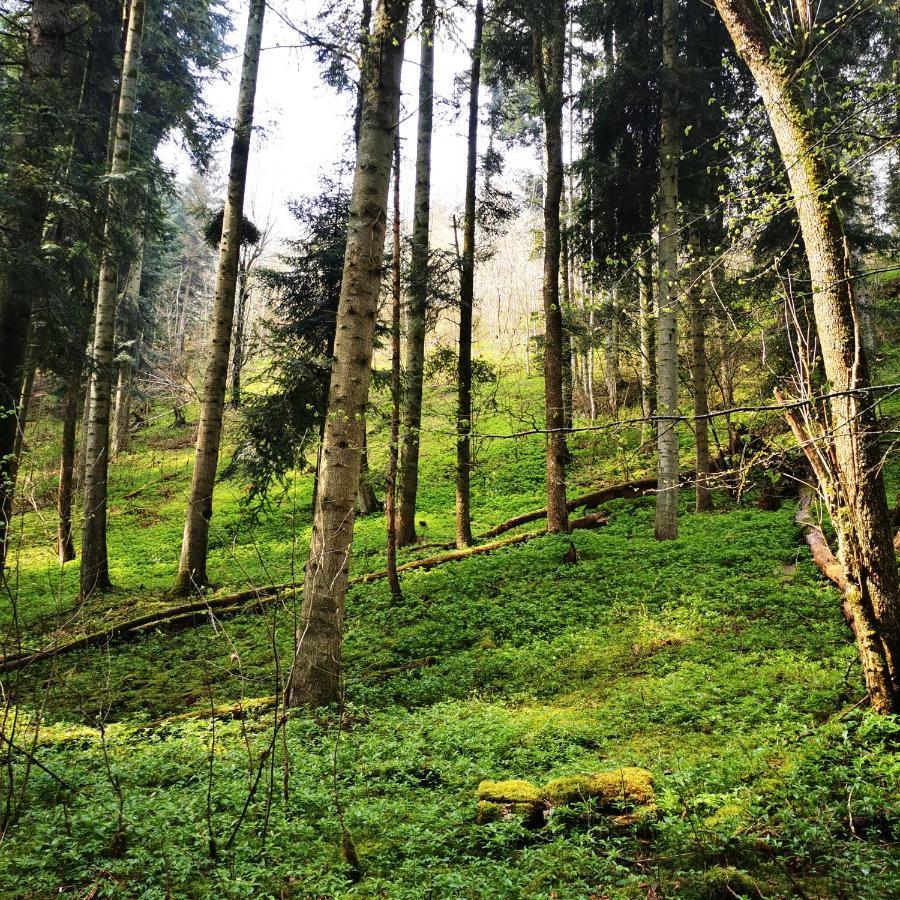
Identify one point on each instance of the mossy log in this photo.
(256, 599)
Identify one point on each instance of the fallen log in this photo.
(635, 488)
(198, 612)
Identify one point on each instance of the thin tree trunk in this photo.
(121, 428)
(854, 489)
(566, 300)
(195, 542)
(648, 354)
(390, 501)
(549, 53)
(466, 304)
(418, 298)
(22, 218)
(237, 361)
(315, 675)
(667, 317)
(366, 501)
(64, 545)
(611, 356)
(94, 560)
(699, 379)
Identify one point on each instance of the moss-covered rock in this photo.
(721, 883)
(513, 799)
(515, 790)
(620, 789)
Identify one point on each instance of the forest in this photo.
(448, 449)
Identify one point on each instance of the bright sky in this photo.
(302, 125)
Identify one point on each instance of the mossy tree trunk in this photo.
(94, 559)
(466, 304)
(418, 294)
(853, 487)
(315, 675)
(195, 542)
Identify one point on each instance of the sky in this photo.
(301, 125)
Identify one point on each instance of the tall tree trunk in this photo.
(121, 428)
(418, 295)
(390, 501)
(667, 316)
(466, 304)
(566, 297)
(366, 501)
(699, 379)
(64, 545)
(237, 361)
(854, 489)
(195, 542)
(315, 674)
(647, 344)
(549, 52)
(28, 170)
(611, 355)
(94, 561)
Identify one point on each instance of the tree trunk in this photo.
(611, 356)
(699, 379)
(315, 675)
(549, 63)
(566, 298)
(24, 208)
(667, 317)
(418, 298)
(237, 361)
(195, 542)
(854, 489)
(466, 304)
(390, 500)
(366, 501)
(121, 429)
(94, 561)
(64, 544)
(647, 322)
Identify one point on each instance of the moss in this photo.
(621, 788)
(513, 791)
(722, 883)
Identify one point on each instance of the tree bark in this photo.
(418, 298)
(854, 489)
(549, 63)
(315, 674)
(27, 173)
(667, 317)
(699, 377)
(390, 500)
(195, 542)
(94, 560)
(466, 304)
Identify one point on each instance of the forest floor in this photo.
(720, 662)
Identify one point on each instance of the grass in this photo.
(720, 662)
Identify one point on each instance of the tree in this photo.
(94, 561)
(28, 167)
(192, 567)
(418, 295)
(852, 483)
(667, 316)
(315, 675)
(549, 53)
(466, 302)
